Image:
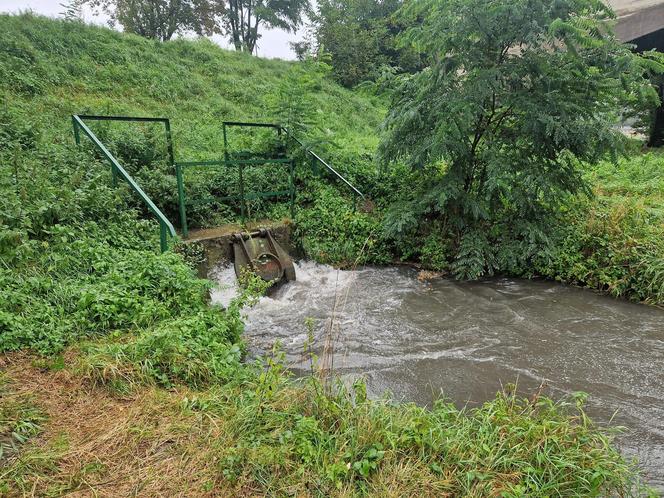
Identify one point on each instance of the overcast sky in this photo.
(274, 43)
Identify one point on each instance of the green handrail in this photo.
(316, 157)
(165, 226)
(243, 196)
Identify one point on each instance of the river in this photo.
(423, 340)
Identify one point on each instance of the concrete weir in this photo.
(218, 246)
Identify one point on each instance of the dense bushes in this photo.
(199, 347)
(83, 285)
(610, 239)
(331, 231)
(615, 240)
(77, 261)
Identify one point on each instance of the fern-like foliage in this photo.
(475, 257)
(521, 96)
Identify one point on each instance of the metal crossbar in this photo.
(165, 226)
(94, 117)
(316, 157)
(255, 125)
(191, 164)
(243, 196)
(248, 196)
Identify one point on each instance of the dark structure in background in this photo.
(655, 41)
(657, 134)
(641, 22)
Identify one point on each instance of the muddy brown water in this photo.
(423, 340)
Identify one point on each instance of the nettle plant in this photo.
(519, 96)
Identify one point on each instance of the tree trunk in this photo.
(252, 37)
(235, 22)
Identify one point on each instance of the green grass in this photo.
(79, 267)
(59, 68)
(615, 241)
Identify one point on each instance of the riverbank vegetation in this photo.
(495, 174)
(343, 127)
(614, 239)
(133, 384)
(261, 433)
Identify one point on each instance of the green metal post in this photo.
(77, 135)
(169, 143)
(178, 176)
(292, 188)
(114, 175)
(314, 166)
(181, 200)
(242, 201)
(223, 127)
(163, 241)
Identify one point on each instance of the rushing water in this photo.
(423, 340)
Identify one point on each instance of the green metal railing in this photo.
(316, 159)
(229, 161)
(165, 227)
(243, 196)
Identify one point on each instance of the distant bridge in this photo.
(640, 22)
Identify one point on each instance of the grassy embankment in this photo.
(615, 240)
(134, 385)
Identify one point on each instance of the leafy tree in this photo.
(73, 10)
(519, 95)
(245, 17)
(161, 19)
(292, 102)
(360, 36)
(302, 49)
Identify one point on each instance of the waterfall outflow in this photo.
(315, 289)
(421, 340)
(261, 254)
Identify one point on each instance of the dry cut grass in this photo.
(94, 443)
(265, 435)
